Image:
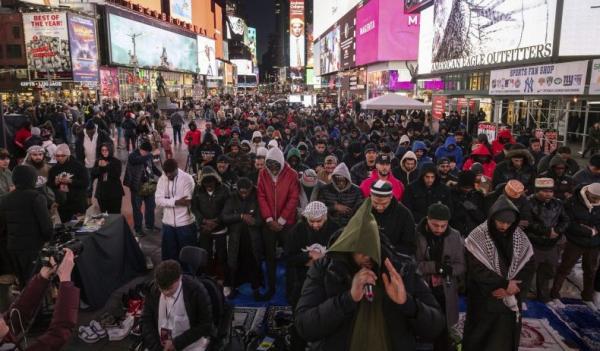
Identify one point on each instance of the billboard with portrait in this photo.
(109, 82)
(207, 62)
(329, 53)
(84, 51)
(252, 44)
(481, 33)
(47, 44)
(347, 40)
(297, 37)
(137, 44)
(385, 33)
(580, 18)
(244, 67)
(181, 10)
(327, 12)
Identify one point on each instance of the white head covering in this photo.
(315, 210)
(62, 149)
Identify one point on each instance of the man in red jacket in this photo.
(278, 192)
(64, 318)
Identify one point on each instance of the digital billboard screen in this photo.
(579, 19)
(207, 62)
(347, 40)
(297, 36)
(181, 10)
(47, 44)
(329, 52)
(137, 44)
(327, 12)
(482, 33)
(84, 51)
(244, 67)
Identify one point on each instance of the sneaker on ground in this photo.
(87, 335)
(98, 329)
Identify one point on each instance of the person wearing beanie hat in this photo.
(341, 196)
(27, 221)
(467, 204)
(383, 172)
(294, 159)
(353, 155)
(138, 178)
(548, 224)
(363, 169)
(224, 168)
(500, 262)
(427, 190)
(278, 192)
(440, 258)
(583, 241)
(563, 183)
(589, 174)
(357, 321)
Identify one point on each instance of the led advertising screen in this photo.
(385, 33)
(310, 46)
(109, 82)
(207, 62)
(181, 10)
(252, 44)
(47, 44)
(413, 6)
(327, 12)
(297, 37)
(317, 55)
(244, 67)
(236, 28)
(347, 40)
(84, 51)
(425, 41)
(546, 79)
(483, 33)
(137, 44)
(580, 18)
(329, 53)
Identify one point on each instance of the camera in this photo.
(64, 238)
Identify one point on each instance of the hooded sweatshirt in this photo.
(419, 145)
(498, 146)
(405, 176)
(488, 167)
(456, 153)
(418, 197)
(278, 196)
(331, 195)
(254, 146)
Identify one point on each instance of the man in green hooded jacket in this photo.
(335, 310)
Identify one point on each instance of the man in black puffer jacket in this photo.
(341, 197)
(333, 312)
(468, 204)
(176, 301)
(425, 191)
(548, 224)
(27, 219)
(518, 165)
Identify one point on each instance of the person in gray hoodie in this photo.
(341, 197)
(407, 172)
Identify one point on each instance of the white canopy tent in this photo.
(393, 102)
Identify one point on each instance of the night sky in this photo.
(261, 15)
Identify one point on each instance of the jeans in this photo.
(129, 140)
(136, 205)
(175, 238)
(176, 135)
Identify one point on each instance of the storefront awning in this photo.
(393, 102)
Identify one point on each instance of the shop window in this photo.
(16, 32)
(13, 51)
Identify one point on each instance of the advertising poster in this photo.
(84, 51)
(438, 107)
(47, 44)
(297, 37)
(548, 79)
(425, 41)
(385, 33)
(327, 12)
(244, 67)
(310, 46)
(470, 34)
(252, 44)
(207, 62)
(489, 129)
(109, 82)
(137, 44)
(579, 18)
(595, 79)
(347, 40)
(329, 53)
(181, 10)
(236, 28)
(317, 58)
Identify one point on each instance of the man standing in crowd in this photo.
(583, 241)
(563, 183)
(341, 197)
(36, 159)
(515, 192)
(140, 173)
(518, 165)
(441, 259)
(383, 172)
(500, 266)
(177, 119)
(363, 169)
(174, 194)
(407, 171)
(425, 191)
(334, 313)
(177, 311)
(548, 224)
(28, 226)
(87, 148)
(590, 174)
(69, 180)
(278, 194)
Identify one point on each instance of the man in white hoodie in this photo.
(174, 194)
(256, 142)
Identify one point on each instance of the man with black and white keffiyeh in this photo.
(500, 266)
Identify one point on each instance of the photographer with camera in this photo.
(28, 223)
(22, 311)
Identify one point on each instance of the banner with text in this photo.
(549, 79)
(595, 79)
(297, 36)
(47, 44)
(84, 52)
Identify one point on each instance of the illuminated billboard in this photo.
(47, 44)
(329, 52)
(244, 67)
(251, 44)
(580, 19)
(207, 62)
(84, 51)
(181, 10)
(297, 37)
(327, 12)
